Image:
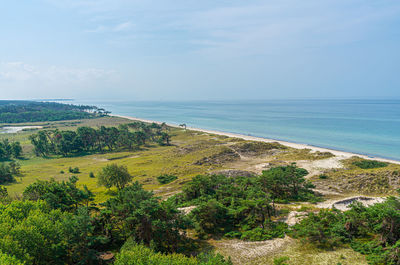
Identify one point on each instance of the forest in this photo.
(19, 111)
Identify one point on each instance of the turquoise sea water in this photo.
(370, 127)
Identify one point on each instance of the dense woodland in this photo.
(19, 111)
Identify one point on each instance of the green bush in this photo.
(91, 175)
(74, 170)
(281, 260)
(233, 234)
(368, 164)
(9, 260)
(323, 176)
(165, 178)
(134, 254)
(273, 230)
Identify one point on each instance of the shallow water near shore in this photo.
(370, 127)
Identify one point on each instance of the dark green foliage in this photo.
(59, 195)
(8, 172)
(373, 231)
(164, 138)
(323, 176)
(91, 175)
(30, 111)
(243, 206)
(136, 213)
(90, 140)
(74, 170)
(83, 238)
(165, 179)
(10, 150)
(326, 229)
(114, 175)
(270, 231)
(212, 218)
(367, 164)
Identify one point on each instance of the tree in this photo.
(164, 138)
(59, 195)
(114, 175)
(212, 218)
(82, 238)
(9, 171)
(16, 149)
(136, 213)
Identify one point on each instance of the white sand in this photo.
(339, 154)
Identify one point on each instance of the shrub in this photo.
(233, 234)
(91, 175)
(323, 176)
(134, 254)
(165, 178)
(74, 170)
(273, 230)
(281, 260)
(368, 164)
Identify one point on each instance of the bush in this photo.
(74, 170)
(281, 260)
(368, 164)
(9, 260)
(62, 172)
(165, 179)
(323, 176)
(134, 254)
(91, 175)
(233, 234)
(273, 230)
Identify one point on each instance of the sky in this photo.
(199, 50)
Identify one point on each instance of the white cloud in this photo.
(22, 72)
(121, 27)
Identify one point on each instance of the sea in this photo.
(368, 127)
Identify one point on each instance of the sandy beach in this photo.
(339, 154)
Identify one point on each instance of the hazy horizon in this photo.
(190, 50)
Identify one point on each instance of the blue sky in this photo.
(191, 49)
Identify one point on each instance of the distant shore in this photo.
(337, 153)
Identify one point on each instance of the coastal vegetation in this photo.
(373, 231)
(178, 201)
(19, 111)
(89, 140)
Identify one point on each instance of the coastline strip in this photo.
(340, 154)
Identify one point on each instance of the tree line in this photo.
(89, 140)
(18, 111)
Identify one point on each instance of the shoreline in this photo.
(337, 153)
